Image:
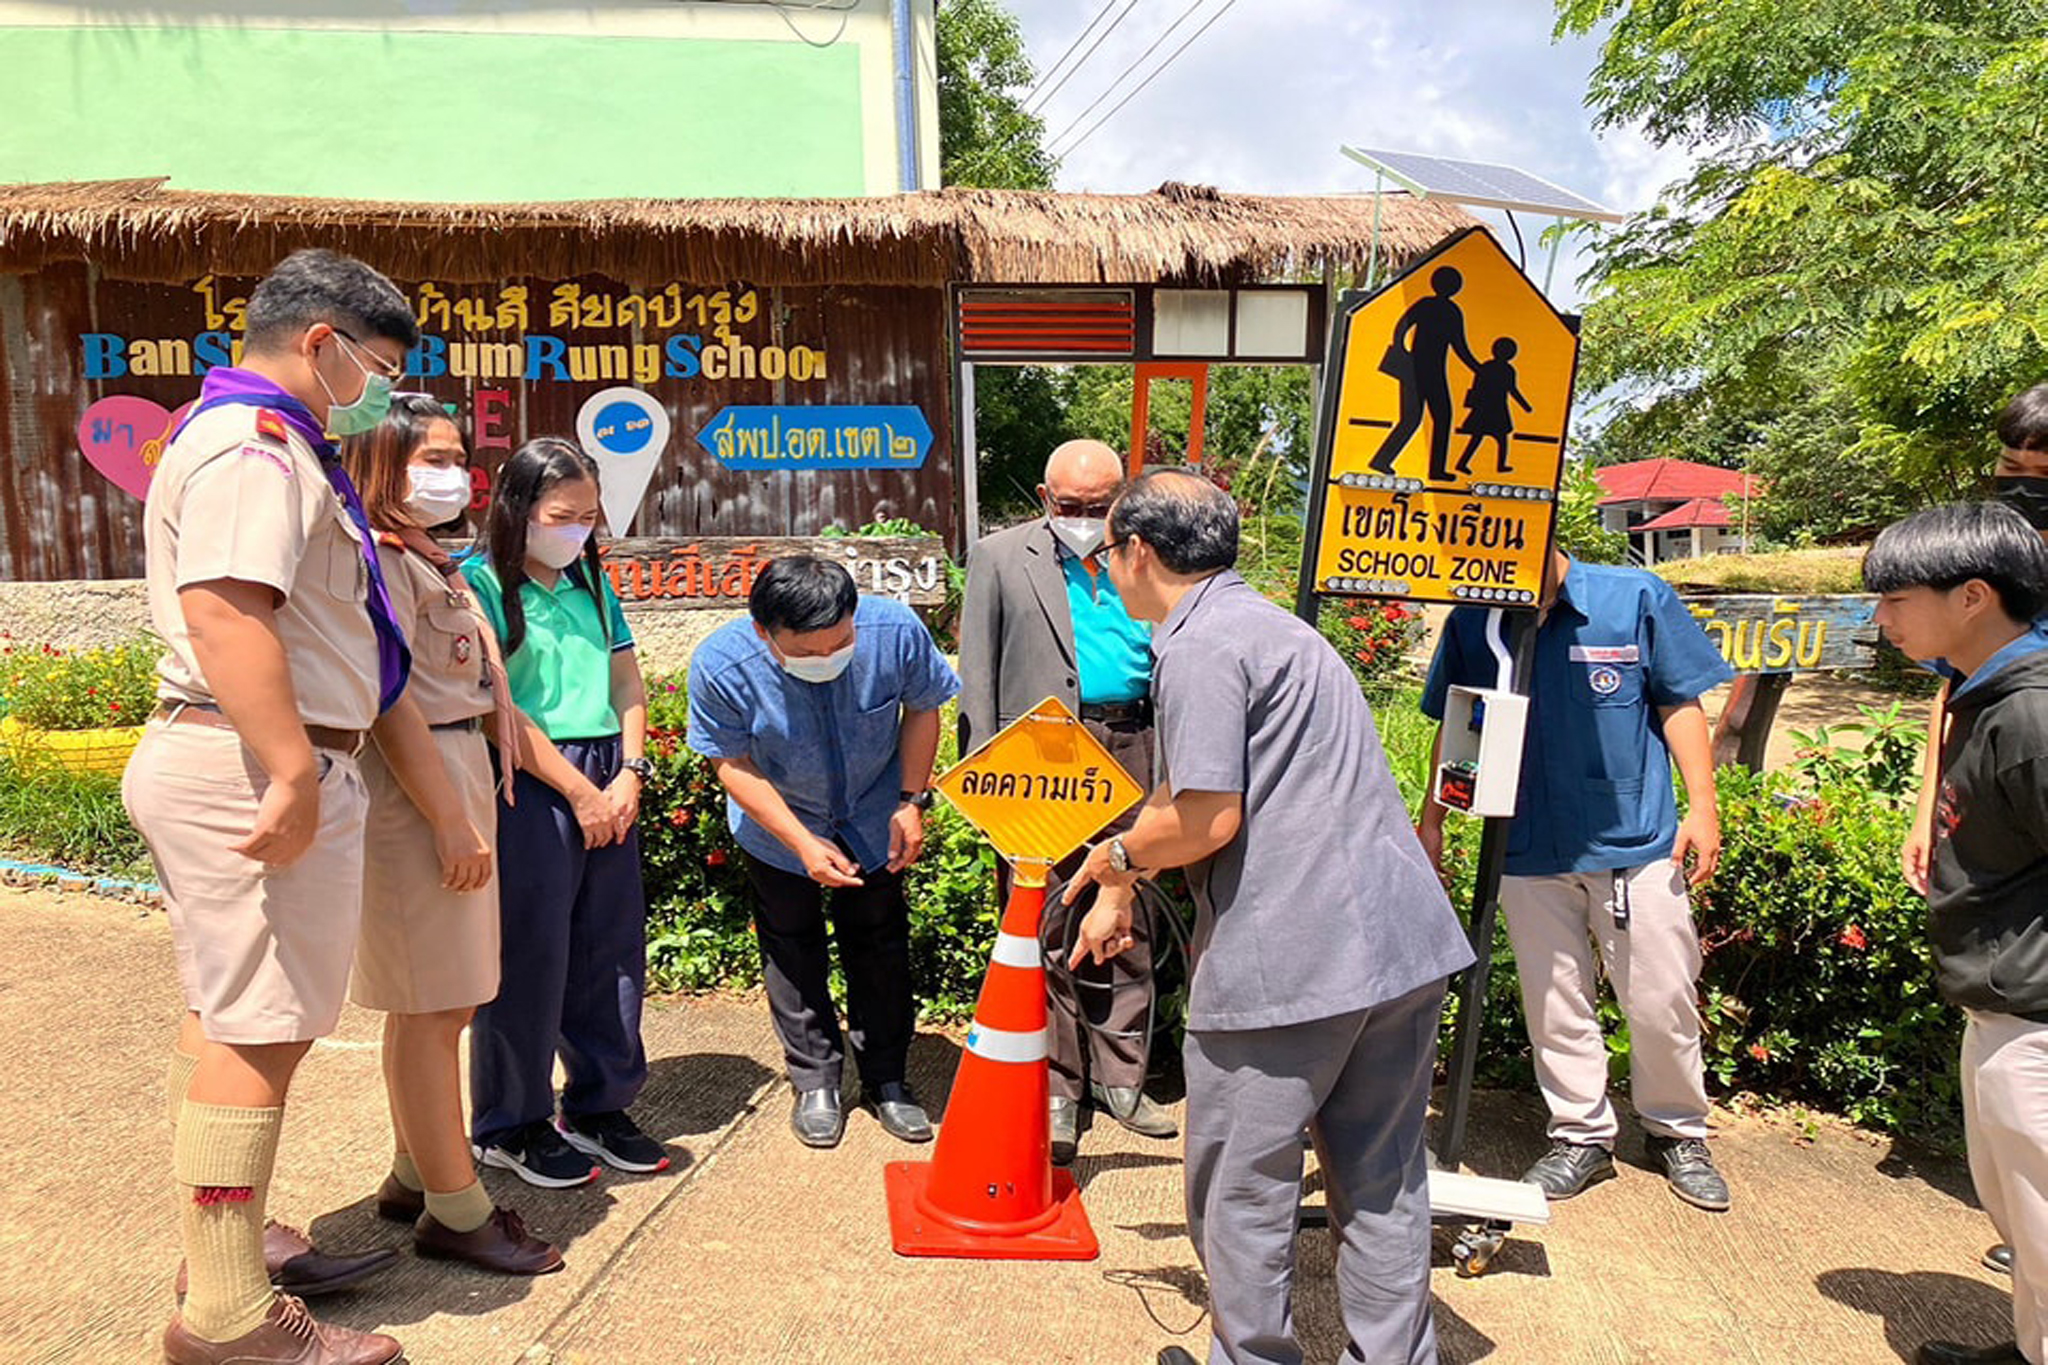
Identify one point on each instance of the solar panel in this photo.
(1481, 184)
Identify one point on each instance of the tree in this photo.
(1850, 280)
(985, 137)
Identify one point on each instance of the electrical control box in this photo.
(1479, 763)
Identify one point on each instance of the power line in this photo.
(1047, 74)
(1060, 156)
(1083, 59)
(1110, 89)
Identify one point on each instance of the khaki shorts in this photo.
(263, 953)
(423, 947)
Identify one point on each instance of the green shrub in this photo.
(52, 689)
(1375, 638)
(51, 815)
(1818, 986)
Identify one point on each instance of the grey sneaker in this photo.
(1690, 1168)
(1570, 1167)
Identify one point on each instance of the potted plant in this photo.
(82, 710)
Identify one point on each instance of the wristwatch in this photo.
(1119, 856)
(922, 800)
(642, 766)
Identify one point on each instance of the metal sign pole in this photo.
(1471, 988)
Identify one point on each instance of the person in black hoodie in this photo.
(1964, 583)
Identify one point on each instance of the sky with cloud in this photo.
(1261, 101)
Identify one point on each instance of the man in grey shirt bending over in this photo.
(1323, 940)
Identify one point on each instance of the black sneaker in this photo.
(537, 1155)
(1690, 1169)
(1570, 1167)
(615, 1140)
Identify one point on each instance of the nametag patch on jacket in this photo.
(1606, 654)
(270, 457)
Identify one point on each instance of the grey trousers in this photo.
(1360, 1083)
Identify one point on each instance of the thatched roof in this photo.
(142, 229)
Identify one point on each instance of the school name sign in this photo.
(1762, 633)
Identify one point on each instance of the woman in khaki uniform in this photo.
(428, 951)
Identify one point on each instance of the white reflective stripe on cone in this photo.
(1006, 1045)
(1015, 950)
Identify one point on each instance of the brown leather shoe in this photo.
(399, 1204)
(502, 1245)
(296, 1266)
(289, 1336)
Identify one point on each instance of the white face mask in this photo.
(556, 546)
(817, 668)
(1082, 535)
(440, 493)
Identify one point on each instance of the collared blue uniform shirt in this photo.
(1596, 775)
(830, 749)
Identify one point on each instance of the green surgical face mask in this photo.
(352, 419)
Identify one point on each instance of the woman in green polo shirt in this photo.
(574, 951)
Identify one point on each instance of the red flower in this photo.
(1760, 1052)
(1359, 622)
(681, 816)
(1394, 611)
(715, 858)
(1366, 655)
(1852, 937)
(113, 706)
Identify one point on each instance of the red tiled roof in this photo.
(1670, 480)
(1698, 512)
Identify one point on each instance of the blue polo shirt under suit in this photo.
(1112, 651)
(1596, 788)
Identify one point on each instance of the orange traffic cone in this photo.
(990, 1190)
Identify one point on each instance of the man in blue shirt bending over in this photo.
(821, 718)
(1596, 854)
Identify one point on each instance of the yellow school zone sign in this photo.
(1443, 433)
(1041, 786)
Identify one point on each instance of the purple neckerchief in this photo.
(226, 386)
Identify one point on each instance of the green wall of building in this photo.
(429, 116)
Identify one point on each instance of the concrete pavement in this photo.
(756, 1251)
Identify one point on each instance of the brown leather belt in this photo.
(349, 742)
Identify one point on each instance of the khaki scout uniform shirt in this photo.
(449, 635)
(230, 502)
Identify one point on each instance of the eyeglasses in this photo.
(389, 369)
(1074, 507)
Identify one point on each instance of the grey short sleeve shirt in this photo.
(1324, 903)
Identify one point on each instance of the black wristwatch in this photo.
(642, 766)
(922, 800)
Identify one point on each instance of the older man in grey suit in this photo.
(1042, 619)
(1323, 943)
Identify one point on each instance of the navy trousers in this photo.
(574, 963)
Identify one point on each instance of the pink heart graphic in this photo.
(123, 437)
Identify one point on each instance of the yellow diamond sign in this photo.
(1041, 786)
